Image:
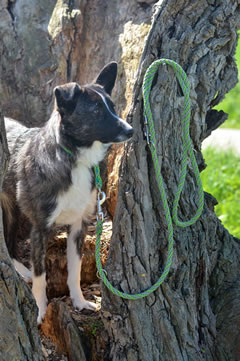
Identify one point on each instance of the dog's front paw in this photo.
(42, 307)
(89, 305)
(41, 314)
(39, 292)
(80, 303)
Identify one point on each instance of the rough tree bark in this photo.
(19, 338)
(195, 314)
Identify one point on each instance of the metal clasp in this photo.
(150, 137)
(98, 275)
(101, 197)
(146, 132)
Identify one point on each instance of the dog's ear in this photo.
(66, 97)
(107, 77)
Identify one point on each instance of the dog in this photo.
(50, 178)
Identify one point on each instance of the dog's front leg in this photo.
(38, 251)
(75, 244)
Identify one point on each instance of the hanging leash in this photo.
(151, 141)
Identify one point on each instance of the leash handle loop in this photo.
(151, 141)
(187, 143)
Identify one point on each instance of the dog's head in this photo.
(87, 112)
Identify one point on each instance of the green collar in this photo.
(66, 150)
(98, 180)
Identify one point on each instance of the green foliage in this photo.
(222, 176)
(231, 102)
(95, 326)
(222, 180)
(231, 106)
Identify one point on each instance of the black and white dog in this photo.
(50, 177)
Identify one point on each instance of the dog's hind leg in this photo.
(22, 270)
(75, 244)
(38, 251)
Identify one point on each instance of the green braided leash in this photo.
(151, 140)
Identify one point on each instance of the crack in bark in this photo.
(9, 8)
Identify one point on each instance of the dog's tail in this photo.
(7, 207)
(10, 227)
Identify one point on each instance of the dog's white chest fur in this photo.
(73, 204)
(79, 200)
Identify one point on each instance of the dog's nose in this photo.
(129, 132)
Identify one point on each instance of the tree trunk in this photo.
(19, 339)
(195, 314)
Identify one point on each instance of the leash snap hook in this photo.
(101, 197)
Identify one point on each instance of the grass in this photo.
(222, 176)
(222, 180)
(230, 105)
(231, 102)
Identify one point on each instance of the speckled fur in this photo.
(49, 185)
